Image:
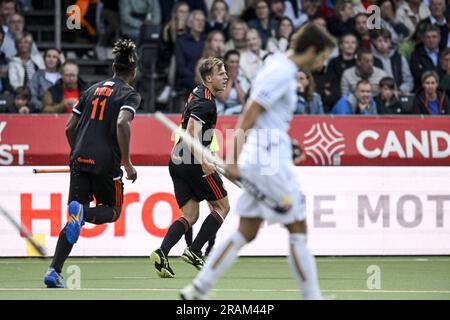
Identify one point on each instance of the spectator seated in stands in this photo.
(359, 102)
(7, 9)
(300, 11)
(218, 18)
(238, 32)
(214, 47)
(175, 27)
(362, 31)
(342, 21)
(63, 95)
(392, 62)
(252, 58)
(438, 19)
(426, 57)
(399, 32)
(283, 36)
(410, 13)
(16, 27)
(23, 66)
(277, 8)
(387, 101)
(188, 50)
(42, 80)
(348, 44)
(364, 69)
(444, 71)
(134, 13)
(231, 100)
(5, 87)
(263, 24)
(22, 98)
(431, 100)
(308, 101)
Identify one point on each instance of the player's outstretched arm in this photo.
(123, 138)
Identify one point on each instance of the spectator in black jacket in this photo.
(188, 50)
(426, 56)
(348, 44)
(437, 18)
(431, 100)
(5, 86)
(218, 18)
(387, 101)
(342, 21)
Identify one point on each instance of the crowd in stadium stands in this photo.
(394, 59)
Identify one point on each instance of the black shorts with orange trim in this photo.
(107, 190)
(189, 183)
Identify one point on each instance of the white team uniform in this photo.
(266, 157)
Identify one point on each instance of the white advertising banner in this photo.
(350, 211)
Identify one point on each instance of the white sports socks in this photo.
(303, 266)
(219, 260)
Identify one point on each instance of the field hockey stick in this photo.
(24, 232)
(51, 170)
(241, 182)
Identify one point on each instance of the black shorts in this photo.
(189, 183)
(107, 190)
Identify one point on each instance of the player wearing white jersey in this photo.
(266, 159)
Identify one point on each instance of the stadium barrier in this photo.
(327, 140)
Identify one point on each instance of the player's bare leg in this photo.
(221, 258)
(302, 262)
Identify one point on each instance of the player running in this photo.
(270, 108)
(194, 178)
(98, 132)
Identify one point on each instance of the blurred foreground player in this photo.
(98, 132)
(270, 108)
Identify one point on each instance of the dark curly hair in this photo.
(125, 59)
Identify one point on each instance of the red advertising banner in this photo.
(327, 140)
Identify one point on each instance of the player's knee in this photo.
(222, 208)
(116, 213)
(191, 219)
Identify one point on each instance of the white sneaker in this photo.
(190, 292)
(164, 95)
